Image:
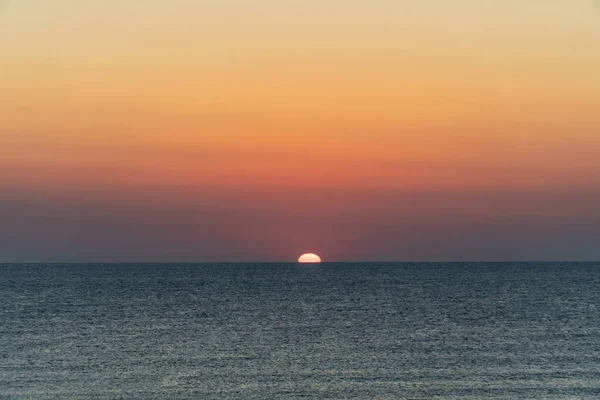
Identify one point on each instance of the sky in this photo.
(237, 130)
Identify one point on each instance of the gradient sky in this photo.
(235, 130)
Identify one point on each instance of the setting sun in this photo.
(309, 258)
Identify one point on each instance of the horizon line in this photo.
(296, 262)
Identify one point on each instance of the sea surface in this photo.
(288, 331)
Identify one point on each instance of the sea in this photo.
(291, 331)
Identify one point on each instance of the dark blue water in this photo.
(285, 331)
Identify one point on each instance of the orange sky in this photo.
(262, 100)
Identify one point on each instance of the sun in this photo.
(309, 258)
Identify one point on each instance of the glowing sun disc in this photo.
(309, 258)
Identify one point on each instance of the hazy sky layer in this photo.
(256, 130)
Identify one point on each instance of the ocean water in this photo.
(287, 331)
